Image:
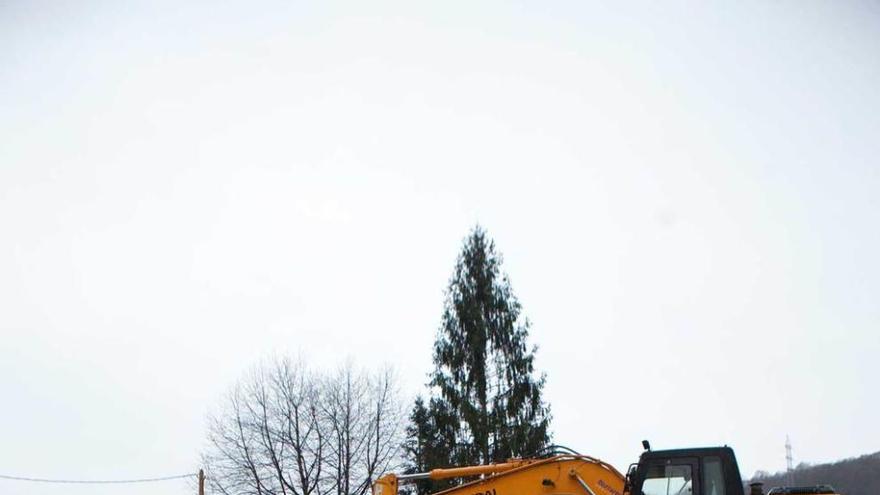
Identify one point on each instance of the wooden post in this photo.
(201, 482)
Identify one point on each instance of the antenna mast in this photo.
(788, 463)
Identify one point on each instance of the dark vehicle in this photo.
(802, 490)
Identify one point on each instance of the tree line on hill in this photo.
(856, 476)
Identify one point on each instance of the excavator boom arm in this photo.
(558, 475)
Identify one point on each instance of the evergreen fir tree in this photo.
(426, 446)
(489, 406)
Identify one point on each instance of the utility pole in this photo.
(201, 482)
(788, 462)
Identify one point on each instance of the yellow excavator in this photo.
(697, 471)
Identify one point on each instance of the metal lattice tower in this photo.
(788, 462)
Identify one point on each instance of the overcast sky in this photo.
(685, 195)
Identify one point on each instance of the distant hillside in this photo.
(857, 476)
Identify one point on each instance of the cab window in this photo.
(668, 480)
(713, 476)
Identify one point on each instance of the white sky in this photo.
(686, 196)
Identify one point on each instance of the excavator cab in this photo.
(701, 471)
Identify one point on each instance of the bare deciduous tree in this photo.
(284, 430)
(362, 418)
